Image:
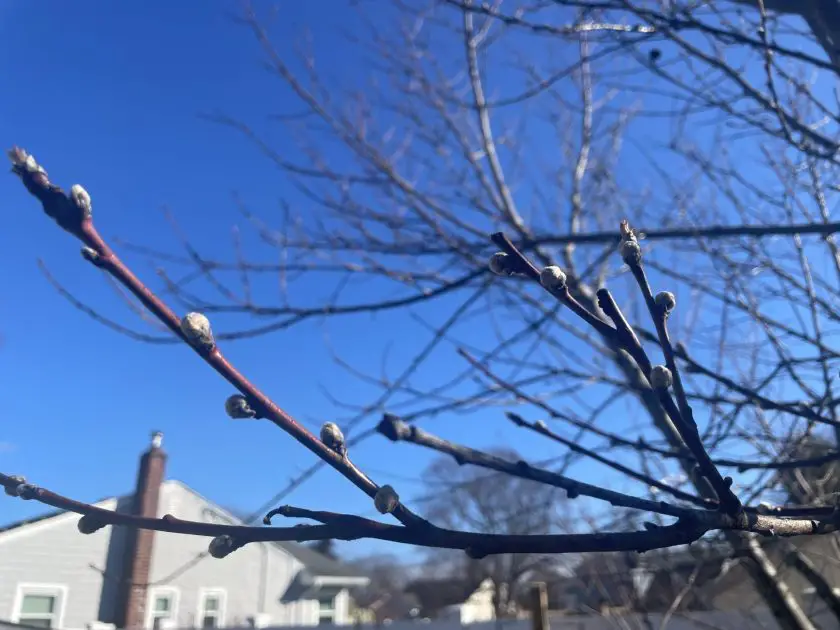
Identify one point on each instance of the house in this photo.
(453, 600)
(51, 576)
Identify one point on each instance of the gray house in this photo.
(51, 576)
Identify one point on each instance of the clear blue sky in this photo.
(107, 95)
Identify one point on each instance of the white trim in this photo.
(34, 588)
(330, 580)
(35, 527)
(222, 612)
(153, 593)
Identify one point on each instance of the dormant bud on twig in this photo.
(500, 264)
(90, 523)
(553, 278)
(541, 425)
(660, 377)
(197, 330)
(23, 161)
(386, 500)
(333, 438)
(12, 491)
(81, 198)
(221, 546)
(666, 301)
(238, 407)
(631, 252)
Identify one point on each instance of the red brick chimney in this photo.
(131, 609)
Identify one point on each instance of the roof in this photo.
(434, 595)
(316, 563)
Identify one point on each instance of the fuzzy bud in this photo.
(90, 523)
(81, 199)
(541, 425)
(26, 491)
(221, 546)
(386, 500)
(197, 330)
(333, 438)
(631, 252)
(12, 491)
(666, 301)
(660, 377)
(553, 278)
(500, 264)
(23, 161)
(92, 256)
(238, 407)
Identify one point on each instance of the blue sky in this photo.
(108, 95)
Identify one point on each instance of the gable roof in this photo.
(316, 564)
(434, 595)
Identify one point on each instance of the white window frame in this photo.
(59, 591)
(221, 595)
(333, 610)
(159, 591)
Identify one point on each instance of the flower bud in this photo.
(660, 377)
(386, 500)
(91, 255)
(541, 425)
(333, 438)
(81, 199)
(197, 330)
(666, 301)
(500, 264)
(238, 407)
(221, 546)
(90, 523)
(631, 252)
(12, 491)
(553, 278)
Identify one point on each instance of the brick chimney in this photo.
(131, 608)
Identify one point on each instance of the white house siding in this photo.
(54, 552)
(243, 575)
(479, 606)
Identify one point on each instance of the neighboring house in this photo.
(52, 576)
(453, 600)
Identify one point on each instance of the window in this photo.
(326, 609)
(38, 611)
(162, 610)
(39, 605)
(211, 611)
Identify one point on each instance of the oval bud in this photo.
(89, 524)
(386, 500)
(237, 407)
(12, 491)
(221, 546)
(553, 278)
(500, 264)
(660, 377)
(666, 301)
(333, 438)
(631, 252)
(81, 199)
(197, 330)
